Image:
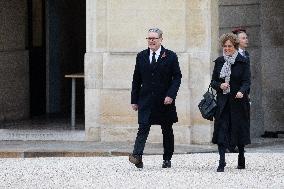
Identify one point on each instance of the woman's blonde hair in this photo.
(231, 37)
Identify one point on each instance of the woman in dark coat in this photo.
(231, 80)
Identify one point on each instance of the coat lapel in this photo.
(146, 61)
(240, 58)
(146, 55)
(161, 54)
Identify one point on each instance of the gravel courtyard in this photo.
(264, 170)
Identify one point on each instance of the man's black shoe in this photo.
(136, 160)
(139, 165)
(166, 164)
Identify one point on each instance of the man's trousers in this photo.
(168, 140)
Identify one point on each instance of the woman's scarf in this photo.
(226, 69)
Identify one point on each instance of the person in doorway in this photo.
(231, 80)
(155, 84)
(243, 42)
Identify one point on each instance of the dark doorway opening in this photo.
(66, 46)
(57, 44)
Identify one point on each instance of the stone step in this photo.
(42, 135)
(38, 154)
(33, 149)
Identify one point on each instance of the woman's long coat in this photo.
(152, 83)
(239, 107)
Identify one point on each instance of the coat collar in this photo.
(162, 53)
(146, 54)
(239, 58)
(157, 52)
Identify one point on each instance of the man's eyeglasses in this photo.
(152, 38)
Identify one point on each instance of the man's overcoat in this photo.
(152, 83)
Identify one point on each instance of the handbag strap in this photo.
(210, 89)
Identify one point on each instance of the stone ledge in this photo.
(25, 135)
(11, 154)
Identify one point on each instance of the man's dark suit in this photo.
(151, 84)
(247, 56)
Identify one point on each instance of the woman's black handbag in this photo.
(208, 105)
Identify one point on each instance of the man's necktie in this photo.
(153, 61)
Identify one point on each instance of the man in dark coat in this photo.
(155, 84)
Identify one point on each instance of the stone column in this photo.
(93, 67)
(116, 32)
(202, 48)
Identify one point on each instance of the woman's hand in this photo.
(239, 95)
(224, 86)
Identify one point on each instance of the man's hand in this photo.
(239, 95)
(134, 107)
(168, 100)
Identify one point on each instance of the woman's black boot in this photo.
(241, 162)
(222, 165)
(241, 157)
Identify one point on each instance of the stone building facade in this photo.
(113, 31)
(116, 31)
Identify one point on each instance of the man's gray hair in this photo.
(156, 30)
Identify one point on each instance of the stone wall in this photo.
(246, 13)
(272, 55)
(116, 32)
(14, 70)
(264, 23)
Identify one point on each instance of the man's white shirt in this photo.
(156, 55)
(242, 52)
